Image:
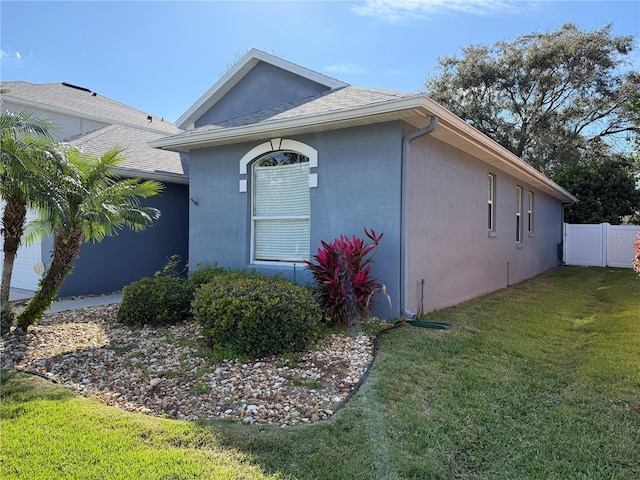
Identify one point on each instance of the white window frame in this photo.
(519, 238)
(274, 145)
(491, 203)
(246, 165)
(530, 224)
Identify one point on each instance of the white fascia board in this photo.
(461, 129)
(237, 72)
(45, 107)
(480, 140)
(215, 93)
(227, 135)
(298, 70)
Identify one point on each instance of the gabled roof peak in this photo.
(239, 71)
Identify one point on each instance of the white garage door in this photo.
(24, 276)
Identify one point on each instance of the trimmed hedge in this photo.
(255, 315)
(209, 274)
(159, 300)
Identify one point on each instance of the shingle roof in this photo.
(130, 128)
(83, 102)
(139, 156)
(327, 102)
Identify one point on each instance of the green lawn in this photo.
(540, 380)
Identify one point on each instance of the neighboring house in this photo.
(96, 124)
(282, 158)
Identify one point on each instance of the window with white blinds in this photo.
(280, 215)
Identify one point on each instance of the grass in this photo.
(540, 380)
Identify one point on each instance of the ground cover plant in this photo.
(539, 380)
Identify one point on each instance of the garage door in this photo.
(24, 275)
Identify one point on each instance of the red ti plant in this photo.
(636, 257)
(341, 273)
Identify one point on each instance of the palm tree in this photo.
(26, 153)
(96, 204)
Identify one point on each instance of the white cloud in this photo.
(10, 54)
(397, 10)
(345, 68)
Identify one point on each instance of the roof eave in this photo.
(87, 116)
(416, 109)
(166, 177)
(297, 125)
(503, 158)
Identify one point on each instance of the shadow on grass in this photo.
(21, 387)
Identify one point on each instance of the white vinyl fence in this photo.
(600, 245)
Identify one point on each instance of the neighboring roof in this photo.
(127, 127)
(140, 159)
(238, 72)
(81, 102)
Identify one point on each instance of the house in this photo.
(96, 123)
(283, 157)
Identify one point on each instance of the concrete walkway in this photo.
(17, 294)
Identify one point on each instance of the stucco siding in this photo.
(448, 243)
(119, 260)
(219, 213)
(358, 186)
(65, 125)
(264, 87)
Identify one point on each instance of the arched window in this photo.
(280, 207)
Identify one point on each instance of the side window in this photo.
(280, 207)
(518, 214)
(491, 220)
(530, 214)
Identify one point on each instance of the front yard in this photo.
(540, 380)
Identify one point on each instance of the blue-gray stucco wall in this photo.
(358, 186)
(119, 260)
(263, 87)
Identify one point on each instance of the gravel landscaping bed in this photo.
(164, 372)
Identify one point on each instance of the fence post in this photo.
(605, 242)
(564, 243)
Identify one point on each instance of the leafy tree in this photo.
(544, 96)
(634, 116)
(606, 189)
(95, 204)
(27, 155)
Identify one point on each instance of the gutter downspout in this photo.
(403, 214)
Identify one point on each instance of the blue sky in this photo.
(160, 57)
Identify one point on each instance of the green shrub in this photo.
(160, 300)
(208, 274)
(254, 315)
